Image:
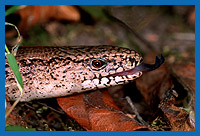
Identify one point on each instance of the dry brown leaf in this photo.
(96, 111)
(38, 14)
(178, 118)
(154, 82)
(185, 74)
(191, 17)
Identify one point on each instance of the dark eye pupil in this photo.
(97, 64)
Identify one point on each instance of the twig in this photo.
(135, 110)
(60, 112)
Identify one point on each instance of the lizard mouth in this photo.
(143, 67)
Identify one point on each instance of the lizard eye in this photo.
(97, 63)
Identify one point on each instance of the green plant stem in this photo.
(12, 107)
(6, 23)
(6, 48)
(14, 67)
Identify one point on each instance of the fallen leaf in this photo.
(96, 111)
(191, 17)
(38, 14)
(185, 73)
(178, 117)
(154, 83)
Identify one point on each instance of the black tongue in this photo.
(143, 67)
(149, 67)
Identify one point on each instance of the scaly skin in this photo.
(59, 71)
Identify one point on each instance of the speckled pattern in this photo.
(59, 71)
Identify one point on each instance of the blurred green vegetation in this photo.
(18, 128)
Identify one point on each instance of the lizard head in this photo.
(111, 65)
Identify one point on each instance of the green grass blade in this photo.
(12, 10)
(13, 64)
